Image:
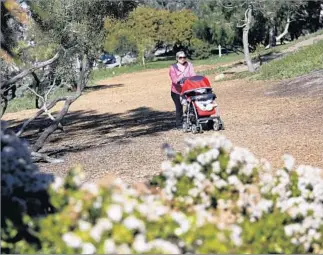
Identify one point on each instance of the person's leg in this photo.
(179, 109)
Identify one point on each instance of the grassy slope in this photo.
(301, 62)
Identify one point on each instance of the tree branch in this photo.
(36, 157)
(29, 71)
(243, 25)
(40, 112)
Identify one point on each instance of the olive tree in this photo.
(74, 31)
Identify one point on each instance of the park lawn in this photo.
(303, 61)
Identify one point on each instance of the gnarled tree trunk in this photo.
(51, 129)
(246, 27)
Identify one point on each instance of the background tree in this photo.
(74, 31)
(148, 28)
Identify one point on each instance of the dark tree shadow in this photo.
(85, 130)
(102, 86)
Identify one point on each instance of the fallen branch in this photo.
(39, 157)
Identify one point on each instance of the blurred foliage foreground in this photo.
(214, 198)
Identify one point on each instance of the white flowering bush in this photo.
(214, 198)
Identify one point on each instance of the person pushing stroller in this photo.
(178, 72)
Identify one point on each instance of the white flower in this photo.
(102, 225)
(216, 167)
(236, 235)
(247, 169)
(58, 183)
(84, 225)
(96, 233)
(207, 157)
(115, 212)
(161, 210)
(118, 198)
(164, 246)
(234, 180)
(140, 245)
(193, 192)
(132, 223)
(78, 178)
(88, 248)
(220, 183)
(192, 170)
(109, 246)
(289, 162)
(166, 166)
(123, 249)
(72, 240)
(184, 224)
(91, 188)
(129, 206)
(178, 170)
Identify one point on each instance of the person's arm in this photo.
(192, 71)
(173, 75)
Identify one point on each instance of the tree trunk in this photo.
(248, 17)
(4, 102)
(246, 49)
(285, 32)
(40, 112)
(51, 129)
(36, 86)
(143, 59)
(48, 131)
(271, 37)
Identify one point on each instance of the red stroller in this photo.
(201, 108)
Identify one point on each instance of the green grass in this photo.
(301, 62)
(28, 101)
(24, 103)
(101, 74)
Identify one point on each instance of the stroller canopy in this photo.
(194, 83)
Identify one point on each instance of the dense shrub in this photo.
(23, 191)
(199, 49)
(214, 198)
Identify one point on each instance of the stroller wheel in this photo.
(216, 124)
(195, 129)
(221, 125)
(200, 128)
(185, 127)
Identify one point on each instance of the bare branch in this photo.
(50, 89)
(40, 112)
(29, 71)
(34, 92)
(37, 157)
(240, 26)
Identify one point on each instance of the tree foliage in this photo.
(146, 27)
(58, 48)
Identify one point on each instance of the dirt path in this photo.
(119, 127)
